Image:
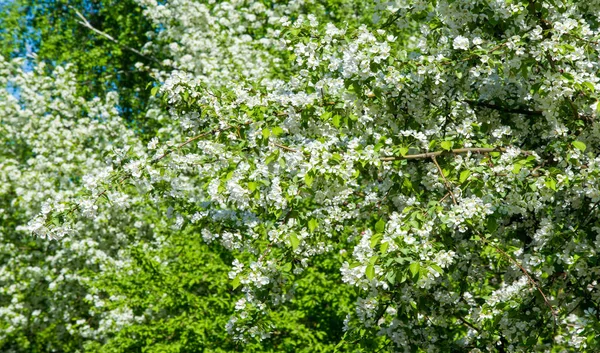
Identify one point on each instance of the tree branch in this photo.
(533, 282)
(84, 22)
(454, 151)
(154, 161)
(286, 148)
(448, 186)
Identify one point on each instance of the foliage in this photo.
(440, 158)
(49, 31)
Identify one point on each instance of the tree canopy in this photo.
(402, 176)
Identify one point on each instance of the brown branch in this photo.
(448, 185)
(283, 147)
(533, 282)
(443, 198)
(454, 151)
(468, 323)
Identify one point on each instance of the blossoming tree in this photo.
(444, 153)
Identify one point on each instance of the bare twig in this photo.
(468, 323)
(283, 147)
(84, 22)
(443, 198)
(454, 151)
(531, 280)
(587, 219)
(448, 185)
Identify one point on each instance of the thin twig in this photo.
(468, 323)
(283, 147)
(448, 185)
(591, 212)
(84, 22)
(454, 151)
(443, 198)
(533, 282)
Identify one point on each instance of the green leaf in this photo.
(437, 268)
(551, 183)
(154, 90)
(384, 247)
(517, 168)
(236, 282)
(325, 116)
(414, 269)
(277, 131)
(336, 120)
(403, 151)
(391, 277)
(380, 226)
(294, 241)
(464, 175)
(447, 145)
(492, 224)
(252, 185)
(312, 224)
(105, 196)
(308, 179)
(266, 133)
(568, 76)
(579, 145)
(407, 184)
(375, 239)
(370, 271)
(272, 157)
(589, 85)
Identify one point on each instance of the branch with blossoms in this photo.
(478, 150)
(51, 219)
